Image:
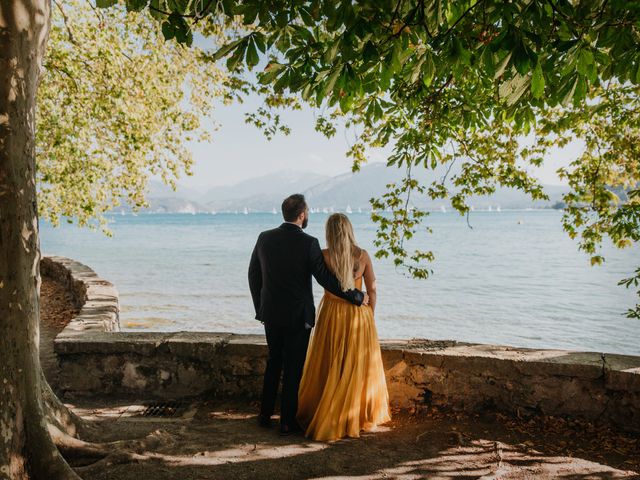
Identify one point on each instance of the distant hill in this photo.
(157, 189)
(355, 190)
(175, 205)
(262, 190)
(347, 190)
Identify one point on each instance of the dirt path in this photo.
(222, 441)
(56, 310)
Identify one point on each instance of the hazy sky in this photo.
(240, 151)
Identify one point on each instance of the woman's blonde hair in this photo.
(344, 253)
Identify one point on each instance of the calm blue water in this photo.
(502, 282)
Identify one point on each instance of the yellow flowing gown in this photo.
(343, 389)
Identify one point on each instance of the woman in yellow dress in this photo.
(343, 389)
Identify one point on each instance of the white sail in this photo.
(348, 209)
(188, 209)
(246, 211)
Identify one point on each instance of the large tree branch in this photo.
(65, 20)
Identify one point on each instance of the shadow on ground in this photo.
(222, 441)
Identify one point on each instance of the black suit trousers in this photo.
(287, 353)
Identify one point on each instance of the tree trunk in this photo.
(26, 447)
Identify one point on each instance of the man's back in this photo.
(283, 255)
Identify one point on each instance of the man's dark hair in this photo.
(293, 206)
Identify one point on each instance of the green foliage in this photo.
(400, 226)
(176, 27)
(116, 105)
(633, 282)
(460, 83)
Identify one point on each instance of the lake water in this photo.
(515, 278)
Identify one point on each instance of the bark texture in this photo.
(26, 447)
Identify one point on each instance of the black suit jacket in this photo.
(282, 263)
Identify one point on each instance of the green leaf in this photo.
(331, 52)
(584, 61)
(270, 73)
(306, 16)
(260, 42)
(105, 3)
(136, 5)
(395, 62)
(386, 73)
(416, 70)
(252, 54)
(569, 95)
(502, 65)
(156, 9)
(581, 90)
(236, 58)
(168, 30)
(512, 89)
(378, 112)
(249, 12)
(176, 27)
(537, 82)
(345, 103)
(283, 82)
(229, 7)
(370, 51)
(487, 62)
(331, 81)
(521, 60)
(182, 7)
(428, 69)
(225, 49)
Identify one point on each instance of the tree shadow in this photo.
(223, 441)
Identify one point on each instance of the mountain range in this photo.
(349, 190)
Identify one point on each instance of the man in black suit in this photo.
(282, 264)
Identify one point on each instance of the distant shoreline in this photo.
(340, 210)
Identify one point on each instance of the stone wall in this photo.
(596, 386)
(97, 298)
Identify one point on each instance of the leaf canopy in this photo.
(116, 105)
(459, 84)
